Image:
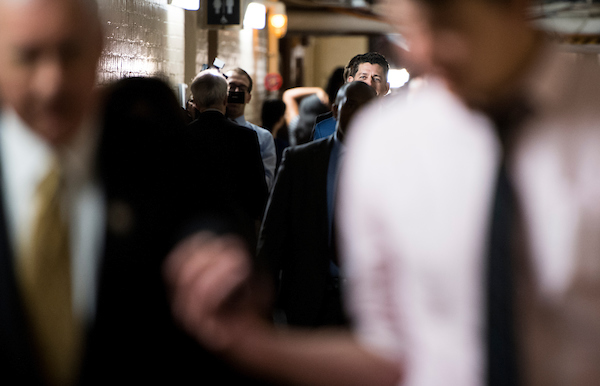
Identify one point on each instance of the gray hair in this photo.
(209, 88)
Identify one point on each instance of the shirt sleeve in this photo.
(269, 157)
(366, 264)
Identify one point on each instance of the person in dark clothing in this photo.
(224, 156)
(91, 309)
(297, 238)
(273, 119)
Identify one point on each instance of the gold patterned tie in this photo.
(46, 278)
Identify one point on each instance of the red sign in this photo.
(273, 82)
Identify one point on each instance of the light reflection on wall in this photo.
(142, 38)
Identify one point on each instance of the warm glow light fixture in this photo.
(256, 13)
(278, 21)
(192, 5)
(255, 16)
(278, 18)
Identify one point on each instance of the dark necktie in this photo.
(501, 350)
(502, 353)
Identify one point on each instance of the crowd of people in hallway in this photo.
(353, 238)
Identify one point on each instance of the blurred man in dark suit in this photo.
(82, 234)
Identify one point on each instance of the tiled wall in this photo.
(146, 38)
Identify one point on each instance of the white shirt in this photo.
(415, 199)
(267, 148)
(25, 159)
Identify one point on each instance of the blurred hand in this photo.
(219, 300)
(209, 277)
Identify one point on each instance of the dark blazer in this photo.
(224, 166)
(133, 339)
(294, 238)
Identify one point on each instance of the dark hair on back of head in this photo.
(147, 102)
(272, 111)
(369, 57)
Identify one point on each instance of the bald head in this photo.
(209, 89)
(49, 51)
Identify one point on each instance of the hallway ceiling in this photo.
(573, 22)
(334, 17)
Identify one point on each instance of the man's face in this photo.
(49, 51)
(373, 75)
(468, 43)
(237, 82)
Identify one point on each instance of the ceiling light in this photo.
(255, 16)
(192, 5)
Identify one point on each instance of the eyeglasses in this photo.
(237, 87)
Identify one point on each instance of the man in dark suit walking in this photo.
(297, 238)
(223, 156)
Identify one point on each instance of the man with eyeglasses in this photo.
(240, 81)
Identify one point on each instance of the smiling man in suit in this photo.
(371, 68)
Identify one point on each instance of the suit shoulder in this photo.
(319, 146)
(243, 130)
(316, 145)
